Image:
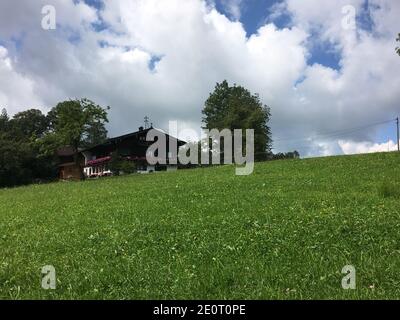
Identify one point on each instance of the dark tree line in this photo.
(30, 139)
(285, 155)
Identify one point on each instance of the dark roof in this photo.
(128, 135)
(66, 151)
(67, 164)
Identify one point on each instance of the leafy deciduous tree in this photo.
(234, 107)
(31, 123)
(78, 123)
(29, 140)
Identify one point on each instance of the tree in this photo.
(29, 141)
(120, 165)
(15, 159)
(78, 123)
(74, 123)
(20, 162)
(288, 155)
(31, 123)
(95, 134)
(234, 107)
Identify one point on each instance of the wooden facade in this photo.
(95, 161)
(70, 164)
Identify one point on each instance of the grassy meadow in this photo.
(283, 232)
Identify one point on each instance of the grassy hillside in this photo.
(283, 232)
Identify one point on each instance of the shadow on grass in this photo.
(389, 189)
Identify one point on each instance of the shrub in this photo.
(126, 167)
(119, 165)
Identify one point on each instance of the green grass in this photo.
(284, 232)
(390, 189)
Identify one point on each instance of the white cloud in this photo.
(364, 90)
(350, 147)
(197, 46)
(233, 7)
(325, 21)
(16, 90)
(19, 18)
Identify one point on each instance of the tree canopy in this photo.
(78, 123)
(234, 107)
(30, 123)
(30, 139)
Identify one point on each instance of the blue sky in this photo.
(255, 13)
(162, 58)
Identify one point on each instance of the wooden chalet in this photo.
(94, 161)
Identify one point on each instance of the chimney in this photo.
(140, 128)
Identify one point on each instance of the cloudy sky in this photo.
(322, 75)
